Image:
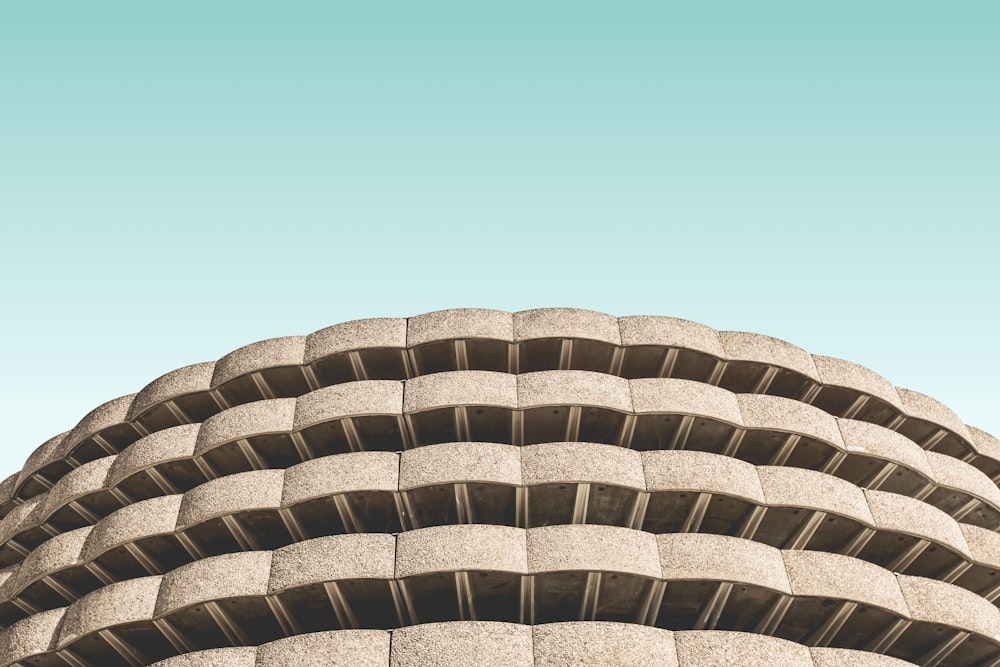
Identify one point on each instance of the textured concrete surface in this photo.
(744, 346)
(138, 530)
(461, 644)
(460, 323)
(670, 332)
(597, 643)
(186, 380)
(460, 388)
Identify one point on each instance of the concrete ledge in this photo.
(463, 547)
(714, 648)
(333, 558)
(186, 380)
(460, 462)
(226, 495)
(356, 335)
(340, 473)
(670, 332)
(270, 416)
(33, 635)
(574, 388)
(358, 648)
(825, 575)
(744, 346)
(839, 373)
(582, 462)
(693, 556)
(458, 324)
(658, 395)
(133, 522)
(566, 323)
(462, 644)
(175, 443)
(455, 388)
(115, 604)
(703, 472)
(215, 578)
(368, 397)
(602, 643)
(593, 548)
(270, 353)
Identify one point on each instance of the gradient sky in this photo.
(179, 178)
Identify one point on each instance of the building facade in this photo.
(548, 487)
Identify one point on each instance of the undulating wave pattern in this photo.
(549, 487)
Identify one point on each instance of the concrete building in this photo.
(550, 487)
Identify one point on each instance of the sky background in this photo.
(178, 179)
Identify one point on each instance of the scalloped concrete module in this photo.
(552, 487)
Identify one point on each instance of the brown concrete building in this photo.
(550, 487)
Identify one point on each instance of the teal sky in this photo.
(181, 178)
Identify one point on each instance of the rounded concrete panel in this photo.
(460, 323)
(186, 380)
(461, 644)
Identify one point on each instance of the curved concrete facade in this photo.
(549, 487)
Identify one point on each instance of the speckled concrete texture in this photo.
(39, 458)
(582, 462)
(924, 407)
(460, 461)
(669, 395)
(60, 552)
(784, 414)
(738, 649)
(457, 548)
(133, 522)
(109, 414)
(892, 511)
(949, 471)
(341, 473)
(460, 388)
(984, 544)
(368, 397)
(602, 643)
(31, 636)
(284, 351)
(566, 323)
(241, 656)
(938, 602)
(670, 332)
(342, 648)
(744, 346)
(271, 416)
(356, 335)
(885, 444)
(985, 443)
(839, 373)
(226, 495)
(117, 603)
(460, 323)
(186, 380)
(691, 556)
(573, 388)
(332, 558)
(807, 488)
(824, 575)
(839, 657)
(701, 471)
(215, 578)
(166, 445)
(85, 479)
(462, 644)
(593, 548)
